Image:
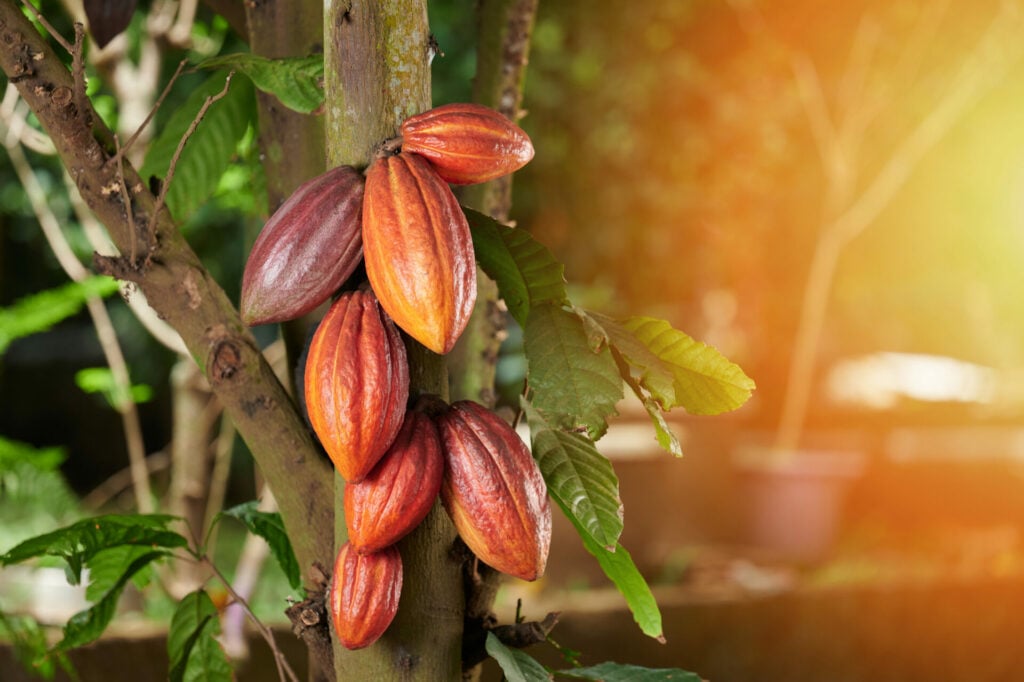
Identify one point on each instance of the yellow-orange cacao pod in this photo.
(418, 250)
(356, 383)
(494, 491)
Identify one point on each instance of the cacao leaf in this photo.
(296, 81)
(38, 312)
(209, 150)
(13, 453)
(619, 672)
(654, 374)
(620, 569)
(270, 527)
(704, 381)
(666, 439)
(87, 625)
(107, 18)
(571, 384)
(78, 543)
(516, 664)
(579, 477)
(526, 272)
(193, 652)
(107, 567)
(28, 639)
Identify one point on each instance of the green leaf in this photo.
(571, 384)
(579, 477)
(38, 312)
(619, 672)
(517, 665)
(654, 375)
(209, 150)
(30, 646)
(296, 81)
(666, 439)
(86, 626)
(270, 527)
(621, 570)
(705, 382)
(526, 272)
(13, 453)
(107, 567)
(193, 652)
(101, 380)
(78, 543)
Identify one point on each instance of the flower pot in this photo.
(794, 500)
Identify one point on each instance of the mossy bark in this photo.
(377, 73)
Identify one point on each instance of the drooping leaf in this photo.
(655, 375)
(38, 312)
(81, 541)
(87, 625)
(101, 380)
(666, 438)
(705, 382)
(516, 664)
(208, 152)
(193, 652)
(579, 477)
(619, 672)
(270, 527)
(107, 18)
(621, 570)
(575, 387)
(107, 567)
(296, 81)
(44, 459)
(526, 272)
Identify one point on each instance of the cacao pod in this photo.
(494, 491)
(418, 250)
(364, 594)
(356, 383)
(467, 143)
(398, 493)
(307, 249)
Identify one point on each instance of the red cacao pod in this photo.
(356, 383)
(364, 594)
(418, 250)
(307, 249)
(467, 143)
(494, 491)
(398, 493)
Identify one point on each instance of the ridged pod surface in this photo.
(307, 249)
(356, 383)
(467, 143)
(494, 491)
(364, 594)
(418, 250)
(398, 493)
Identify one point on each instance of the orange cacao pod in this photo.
(494, 491)
(398, 493)
(307, 249)
(364, 594)
(418, 250)
(467, 143)
(356, 383)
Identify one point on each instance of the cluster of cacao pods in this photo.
(405, 224)
(402, 221)
(398, 461)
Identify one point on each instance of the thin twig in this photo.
(152, 112)
(49, 27)
(161, 198)
(284, 670)
(101, 322)
(110, 488)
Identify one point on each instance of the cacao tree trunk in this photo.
(377, 73)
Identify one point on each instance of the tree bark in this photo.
(377, 69)
(177, 286)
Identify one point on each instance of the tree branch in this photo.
(179, 288)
